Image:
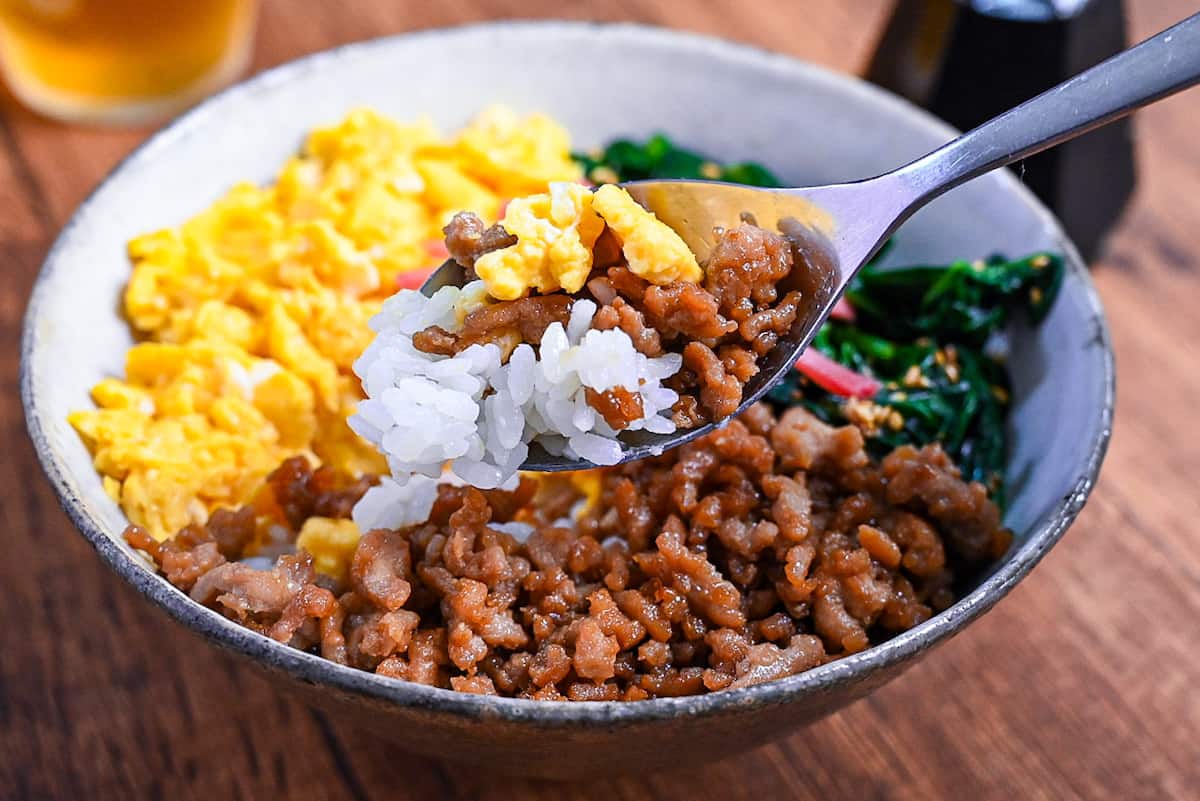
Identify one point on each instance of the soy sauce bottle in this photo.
(969, 60)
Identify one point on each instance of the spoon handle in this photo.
(1160, 66)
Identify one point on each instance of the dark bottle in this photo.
(969, 61)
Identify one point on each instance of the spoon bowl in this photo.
(817, 277)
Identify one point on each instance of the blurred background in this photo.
(1082, 707)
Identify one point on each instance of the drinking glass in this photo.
(122, 61)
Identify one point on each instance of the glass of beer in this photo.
(122, 61)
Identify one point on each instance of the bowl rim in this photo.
(315, 670)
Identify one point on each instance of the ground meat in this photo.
(881, 547)
(805, 443)
(381, 569)
(791, 505)
(185, 566)
(474, 625)
(233, 531)
(745, 265)
(720, 391)
(758, 419)
(722, 328)
(620, 314)
(468, 238)
(767, 661)
(623, 282)
(685, 413)
(310, 603)
(478, 685)
(299, 492)
(685, 312)
(595, 652)
(618, 406)
(738, 362)
(606, 252)
(428, 658)
(928, 477)
(764, 328)
(436, 340)
(753, 553)
(254, 596)
(689, 573)
(507, 324)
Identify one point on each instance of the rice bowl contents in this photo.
(332, 462)
(653, 342)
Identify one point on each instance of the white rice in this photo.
(396, 503)
(424, 410)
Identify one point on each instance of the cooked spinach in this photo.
(964, 301)
(659, 157)
(922, 330)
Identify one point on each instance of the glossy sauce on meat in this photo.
(756, 552)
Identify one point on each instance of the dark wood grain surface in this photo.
(1084, 683)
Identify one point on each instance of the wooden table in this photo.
(1085, 683)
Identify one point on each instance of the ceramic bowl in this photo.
(601, 81)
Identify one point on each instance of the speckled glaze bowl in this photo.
(733, 102)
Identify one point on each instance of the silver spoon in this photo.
(840, 226)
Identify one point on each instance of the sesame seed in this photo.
(1000, 393)
(978, 266)
(899, 397)
(871, 417)
(710, 170)
(1036, 295)
(913, 377)
(1040, 262)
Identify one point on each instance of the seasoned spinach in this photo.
(964, 301)
(659, 157)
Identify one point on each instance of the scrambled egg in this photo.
(555, 234)
(518, 156)
(331, 543)
(251, 313)
(653, 249)
(587, 484)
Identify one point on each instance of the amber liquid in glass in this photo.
(121, 60)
